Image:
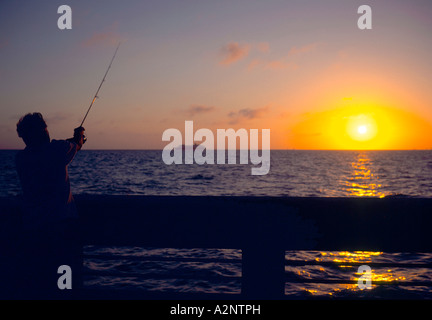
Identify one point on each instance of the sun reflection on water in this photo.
(363, 182)
(360, 182)
(349, 263)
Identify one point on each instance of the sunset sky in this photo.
(300, 68)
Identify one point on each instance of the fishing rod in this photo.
(103, 80)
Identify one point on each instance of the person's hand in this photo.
(79, 131)
(79, 136)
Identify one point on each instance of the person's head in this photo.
(33, 129)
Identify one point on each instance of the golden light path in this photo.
(363, 182)
(356, 257)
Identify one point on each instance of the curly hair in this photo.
(31, 124)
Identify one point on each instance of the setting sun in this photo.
(361, 127)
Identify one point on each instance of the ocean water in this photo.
(292, 173)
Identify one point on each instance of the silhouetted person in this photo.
(49, 215)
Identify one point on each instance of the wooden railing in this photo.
(264, 228)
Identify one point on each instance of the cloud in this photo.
(199, 109)
(247, 114)
(286, 62)
(263, 47)
(280, 64)
(108, 38)
(233, 52)
(56, 117)
(258, 55)
(283, 63)
(295, 51)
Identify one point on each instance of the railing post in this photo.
(263, 271)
